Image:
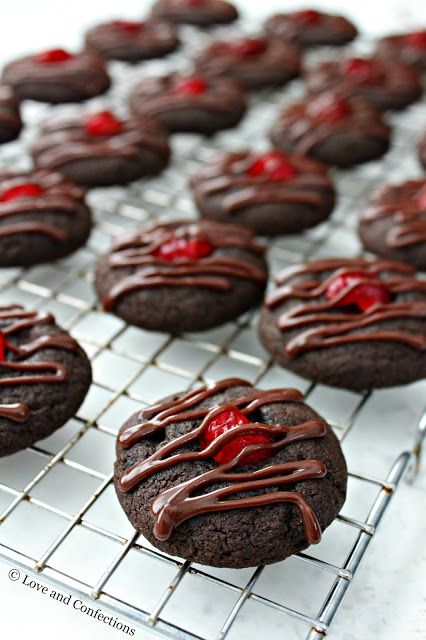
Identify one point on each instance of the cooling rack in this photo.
(58, 512)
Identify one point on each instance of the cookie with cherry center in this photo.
(190, 103)
(384, 83)
(10, 117)
(273, 193)
(393, 225)
(41, 367)
(132, 41)
(348, 322)
(255, 62)
(421, 149)
(182, 276)
(56, 76)
(409, 48)
(102, 149)
(200, 13)
(43, 217)
(309, 28)
(229, 475)
(332, 128)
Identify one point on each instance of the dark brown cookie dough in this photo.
(132, 41)
(384, 83)
(254, 62)
(44, 377)
(310, 28)
(422, 150)
(190, 103)
(409, 48)
(43, 217)
(10, 119)
(99, 149)
(220, 506)
(57, 76)
(394, 223)
(352, 323)
(332, 128)
(183, 276)
(271, 193)
(200, 13)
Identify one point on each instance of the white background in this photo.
(390, 587)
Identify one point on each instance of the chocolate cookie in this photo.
(43, 217)
(57, 76)
(254, 62)
(132, 41)
(309, 28)
(384, 83)
(409, 48)
(352, 323)
(183, 276)
(272, 193)
(99, 149)
(334, 129)
(422, 150)
(190, 103)
(201, 13)
(230, 476)
(10, 119)
(394, 223)
(44, 377)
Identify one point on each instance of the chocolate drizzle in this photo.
(409, 215)
(213, 272)
(229, 177)
(324, 323)
(59, 197)
(175, 505)
(10, 119)
(14, 319)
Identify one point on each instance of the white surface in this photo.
(387, 600)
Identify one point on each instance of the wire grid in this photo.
(80, 539)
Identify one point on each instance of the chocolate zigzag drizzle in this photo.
(214, 272)
(408, 215)
(152, 35)
(59, 197)
(177, 504)
(17, 319)
(337, 326)
(231, 174)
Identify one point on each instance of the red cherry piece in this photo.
(417, 40)
(2, 347)
(53, 56)
(128, 26)
(309, 16)
(103, 123)
(421, 198)
(363, 295)
(330, 108)
(192, 85)
(362, 69)
(229, 419)
(184, 249)
(249, 47)
(27, 190)
(274, 165)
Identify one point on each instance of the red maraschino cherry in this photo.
(249, 47)
(363, 295)
(191, 85)
(229, 419)
(25, 190)
(128, 26)
(53, 56)
(274, 165)
(308, 16)
(2, 346)
(417, 39)
(103, 123)
(329, 108)
(178, 249)
(362, 69)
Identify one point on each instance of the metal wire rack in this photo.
(79, 538)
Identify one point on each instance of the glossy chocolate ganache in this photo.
(14, 369)
(192, 498)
